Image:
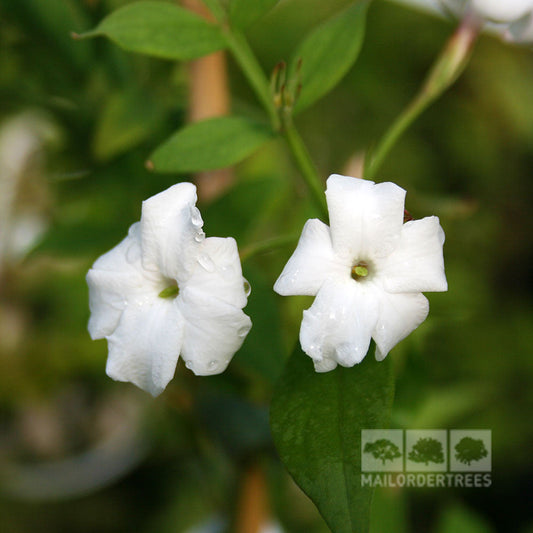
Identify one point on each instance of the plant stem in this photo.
(306, 166)
(447, 68)
(251, 68)
(255, 75)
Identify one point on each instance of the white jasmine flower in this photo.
(502, 10)
(166, 290)
(511, 19)
(367, 270)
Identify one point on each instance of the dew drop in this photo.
(247, 287)
(133, 253)
(189, 364)
(206, 263)
(199, 236)
(212, 365)
(196, 217)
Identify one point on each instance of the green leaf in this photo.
(126, 119)
(328, 53)
(160, 29)
(245, 12)
(316, 421)
(213, 143)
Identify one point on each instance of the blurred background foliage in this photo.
(81, 453)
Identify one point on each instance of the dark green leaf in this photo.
(245, 12)
(56, 18)
(328, 53)
(160, 29)
(240, 426)
(213, 143)
(316, 421)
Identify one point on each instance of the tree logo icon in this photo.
(469, 449)
(383, 449)
(427, 450)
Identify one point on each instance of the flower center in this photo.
(360, 270)
(171, 291)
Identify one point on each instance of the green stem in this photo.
(254, 73)
(305, 165)
(267, 246)
(447, 68)
(402, 122)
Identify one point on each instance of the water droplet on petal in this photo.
(196, 217)
(133, 253)
(247, 287)
(199, 236)
(206, 262)
(189, 364)
(212, 365)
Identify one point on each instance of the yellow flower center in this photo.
(171, 291)
(360, 270)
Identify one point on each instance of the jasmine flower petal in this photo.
(417, 264)
(170, 238)
(215, 331)
(339, 324)
(400, 314)
(114, 274)
(365, 218)
(312, 262)
(145, 346)
(218, 273)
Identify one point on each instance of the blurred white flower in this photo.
(368, 270)
(502, 10)
(511, 19)
(23, 138)
(166, 290)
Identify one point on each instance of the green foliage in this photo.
(328, 53)
(56, 18)
(382, 449)
(458, 518)
(161, 30)
(210, 144)
(244, 12)
(111, 109)
(127, 118)
(469, 449)
(427, 450)
(316, 422)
